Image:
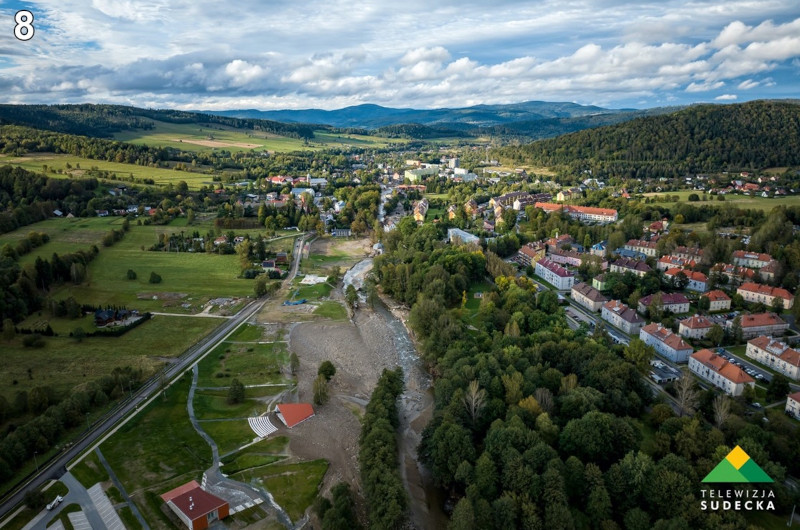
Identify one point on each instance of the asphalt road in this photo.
(57, 466)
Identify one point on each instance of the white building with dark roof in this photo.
(555, 274)
(665, 342)
(621, 316)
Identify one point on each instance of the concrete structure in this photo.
(695, 327)
(588, 296)
(753, 260)
(760, 324)
(648, 248)
(710, 367)
(753, 292)
(665, 342)
(621, 316)
(456, 234)
(793, 405)
(195, 507)
(718, 300)
(623, 265)
(672, 302)
(776, 355)
(554, 274)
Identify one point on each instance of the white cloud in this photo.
(726, 97)
(704, 87)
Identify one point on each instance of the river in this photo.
(415, 410)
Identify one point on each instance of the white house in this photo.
(710, 367)
(588, 296)
(793, 405)
(695, 327)
(554, 274)
(753, 292)
(665, 342)
(776, 355)
(718, 300)
(621, 316)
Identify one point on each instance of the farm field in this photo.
(80, 167)
(740, 201)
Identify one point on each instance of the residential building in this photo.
(734, 274)
(581, 213)
(507, 200)
(710, 367)
(623, 265)
(599, 249)
(718, 300)
(695, 327)
(689, 253)
(674, 262)
(621, 316)
(627, 253)
(648, 248)
(665, 342)
(767, 272)
(793, 405)
(776, 355)
(599, 282)
(555, 274)
(531, 253)
(753, 292)
(753, 260)
(471, 207)
(566, 257)
(415, 175)
(673, 302)
(697, 281)
(588, 296)
(452, 211)
(455, 235)
(760, 324)
(559, 241)
(195, 507)
(420, 210)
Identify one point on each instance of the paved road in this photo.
(121, 488)
(77, 495)
(57, 467)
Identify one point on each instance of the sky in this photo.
(292, 54)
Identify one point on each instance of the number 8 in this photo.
(24, 19)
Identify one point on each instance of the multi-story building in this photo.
(734, 274)
(695, 327)
(566, 257)
(558, 241)
(455, 235)
(753, 292)
(554, 274)
(753, 260)
(672, 302)
(531, 253)
(648, 248)
(581, 213)
(599, 282)
(420, 210)
(665, 342)
(767, 272)
(776, 355)
(689, 253)
(760, 324)
(621, 316)
(710, 367)
(697, 281)
(718, 300)
(507, 200)
(623, 265)
(588, 296)
(793, 405)
(674, 262)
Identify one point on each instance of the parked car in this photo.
(55, 502)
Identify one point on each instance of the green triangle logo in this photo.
(737, 466)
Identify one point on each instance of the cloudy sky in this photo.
(273, 54)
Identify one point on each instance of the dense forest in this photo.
(540, 426)
(104, 120)
(699, 139)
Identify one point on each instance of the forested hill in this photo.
(701, 138)
(102, 121)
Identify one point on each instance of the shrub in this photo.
(131, 274)
(154, 278)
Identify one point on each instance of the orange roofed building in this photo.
(581, 213)
(195, 507)
(710, 367)
(292, 414)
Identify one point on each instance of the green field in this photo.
(250, 363)
(89, 471)
(294, 485)
(740, 201)
(213, 405)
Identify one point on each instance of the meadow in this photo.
(740, 201)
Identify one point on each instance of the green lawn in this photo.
(294, 486)
(210, 405)
(247, 333)
(263, 453)
(332, 310)
(740, 201)
(128, 519)
(64, 363)
(89, 471)
(251, 363)
(311, 292)
(229, 435)
(159, 447)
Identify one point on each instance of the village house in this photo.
(599, 282)
(697, 281)
(623, 265)
(775, 355)
(710, 367)
(753, 260)
(673, 302)
(674, 262)
(695, 327)
(621, 316)
(755, 293)
(420, 210)
(760, 324)
(793, 405)
(648, 248)
(554, 274)
(688, 253)
(588, 296)
(665, 342)
(718, 300)
(733, 273)
(452, 211)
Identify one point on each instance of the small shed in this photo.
(195, 507)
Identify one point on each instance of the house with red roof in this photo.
(753, 292)
(665, 342)
(710, 367)
(554, 274)
(760, 324)
(695, 327)
(753, 260)
(195, 507)
(292, 414)
(793, 405)
(776, 355)
(697, 280)
(718, 300)
(622, 316)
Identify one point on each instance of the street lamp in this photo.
(87, 421)
(35, 461)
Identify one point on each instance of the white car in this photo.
(55, 502)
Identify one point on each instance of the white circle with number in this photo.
(24, 27)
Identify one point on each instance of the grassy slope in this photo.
(740, 201)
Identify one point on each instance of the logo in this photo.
(737, 467)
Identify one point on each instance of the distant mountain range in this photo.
(376, 116)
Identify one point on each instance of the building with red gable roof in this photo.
(195, 507)
(292, 414)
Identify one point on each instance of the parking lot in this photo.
(750, 369)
